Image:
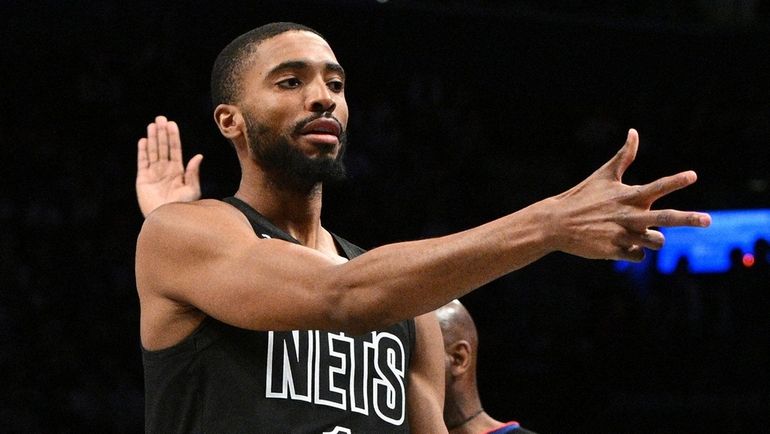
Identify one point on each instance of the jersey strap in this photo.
(264, 228)
(261, 225)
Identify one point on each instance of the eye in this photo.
(290, 83)
(336, 86)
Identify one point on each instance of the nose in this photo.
(320, 98)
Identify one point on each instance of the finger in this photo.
(162, 123)
(152, 142)
(634, 253)
(669, 218)
(625, 156)
(663, 186)
(142, 160)
(650, 239)
(192, 175)
(174, 142)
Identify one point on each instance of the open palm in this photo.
(160, 175)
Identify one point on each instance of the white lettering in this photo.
(289, 362)
(338, 430)
(333, 370)
(367, 353)
(390, 381)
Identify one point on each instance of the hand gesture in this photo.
(160, 174)
(602, 218)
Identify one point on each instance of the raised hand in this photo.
(160, 174)
(602, 218)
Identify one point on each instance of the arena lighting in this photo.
(708, 250)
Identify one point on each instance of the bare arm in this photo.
(426, 378)
(160, 173)
(198, 254)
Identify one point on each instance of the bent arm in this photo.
(426, 378)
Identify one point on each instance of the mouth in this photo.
(322, 126)
(324, 131)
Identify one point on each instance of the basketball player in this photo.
(254, 318)
(166, 180)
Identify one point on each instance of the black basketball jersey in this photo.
(224, 379)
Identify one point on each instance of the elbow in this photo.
(355, 311)
(355, 325)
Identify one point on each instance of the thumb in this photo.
(625, 156)
(192, 172)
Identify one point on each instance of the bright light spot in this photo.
(748, 260)
(382, 1)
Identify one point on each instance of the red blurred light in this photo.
(748, 260)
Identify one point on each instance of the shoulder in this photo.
(192, 212)
(177, 236)
(187, 221)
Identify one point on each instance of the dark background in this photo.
(461, 111)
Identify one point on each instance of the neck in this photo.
(297, 211)
(476, 423)
(459, 424)
(463, 413)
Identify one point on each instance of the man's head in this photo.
(233, 60)
(279, 97)
(460, 347)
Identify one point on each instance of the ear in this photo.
(229, 121)
(460, 355)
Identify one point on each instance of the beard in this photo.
(286, 162)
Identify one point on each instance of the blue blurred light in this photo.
(708, 250)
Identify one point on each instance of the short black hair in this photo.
(230, 62)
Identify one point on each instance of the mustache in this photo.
(302, 122)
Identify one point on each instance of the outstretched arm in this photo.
(160, 174)
(288, 286)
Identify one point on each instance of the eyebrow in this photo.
(301, 64)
